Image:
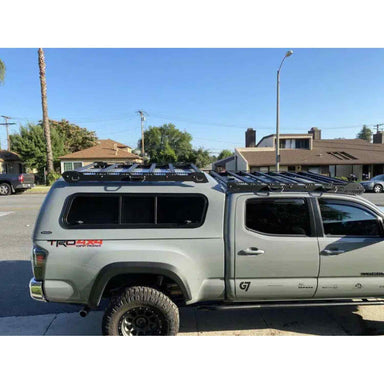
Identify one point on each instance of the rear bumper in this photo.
(24, 186)
(36, 290)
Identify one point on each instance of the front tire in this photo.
(378, 188)
(5, 189)
(141, 311)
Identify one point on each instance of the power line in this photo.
(6, 118)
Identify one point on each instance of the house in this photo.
(10, 162)
(308, 152)
(108, 150)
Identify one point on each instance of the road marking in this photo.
(5, 213)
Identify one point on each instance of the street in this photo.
(20, 315)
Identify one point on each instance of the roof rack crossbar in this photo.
(81, 169)
(193, 166)
(133, 167)
(267, 176)
(113, 166)
(171, 168)
(315, 176)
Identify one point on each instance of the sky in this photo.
(214, 94)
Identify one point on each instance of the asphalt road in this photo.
(17, 217)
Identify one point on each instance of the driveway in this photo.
(20, 315)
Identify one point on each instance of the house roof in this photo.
(105, 149)
(8, 156)
(324, 152)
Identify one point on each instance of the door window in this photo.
(278, 216)
(345, 219)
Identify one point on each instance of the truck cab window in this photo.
(278, 216)
(343, 219)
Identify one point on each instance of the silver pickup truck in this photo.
(152, 238)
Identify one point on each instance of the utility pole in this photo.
(142, 117)
(6, 118)
(377, 127)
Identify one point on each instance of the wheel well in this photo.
(160, 282)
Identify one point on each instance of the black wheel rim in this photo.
(142, 321)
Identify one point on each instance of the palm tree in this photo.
(47, 132)
(2, 72)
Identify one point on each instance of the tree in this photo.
(200, 157)
(30, 144)
(365, 134)
(167, 143)
(75, 138)
(66, 137)
(2, 72)
(44, 105)
(224, 154)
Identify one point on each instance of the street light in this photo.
(289, 53)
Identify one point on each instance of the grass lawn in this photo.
(38, 189)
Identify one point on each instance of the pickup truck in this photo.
(151, 238)
(14, 183)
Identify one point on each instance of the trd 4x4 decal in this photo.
(76, 243)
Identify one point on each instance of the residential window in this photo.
(302, 144)
(71, 165)
(136, 211)
(282, 216)
(344, 219)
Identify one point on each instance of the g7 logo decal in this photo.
(244, 285)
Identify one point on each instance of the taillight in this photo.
(21, 178)
(39, 259)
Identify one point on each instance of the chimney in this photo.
(378, 137)
(250, 138)
(316, 133)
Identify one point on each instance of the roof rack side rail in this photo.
(101, 171)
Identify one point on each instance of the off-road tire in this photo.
(5, 189)
(138, 303)
(378, 188)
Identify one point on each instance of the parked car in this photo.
(376, 184)
(151, 239)
(13, 183)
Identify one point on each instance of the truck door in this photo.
(276, 248)
(351, 250)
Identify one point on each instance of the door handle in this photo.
(332, 252)
(251, 251)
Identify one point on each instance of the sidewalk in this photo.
(193, 322)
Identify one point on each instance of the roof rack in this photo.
(284, 182)
(101, 171)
